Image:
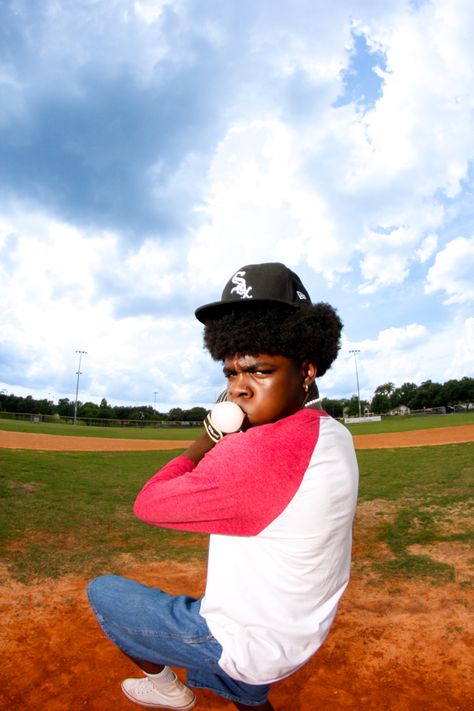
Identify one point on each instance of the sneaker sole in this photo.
(159, 706)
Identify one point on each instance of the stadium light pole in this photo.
(155, 394)
(81, 353)
(354, 352)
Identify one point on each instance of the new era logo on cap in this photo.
(270, 282)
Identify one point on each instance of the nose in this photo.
(239, 386)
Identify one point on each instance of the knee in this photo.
(101, 591)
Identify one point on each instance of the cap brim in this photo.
(219, 308)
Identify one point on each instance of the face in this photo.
(267, 387)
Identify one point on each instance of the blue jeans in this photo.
(151, 625)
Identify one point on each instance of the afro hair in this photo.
(310, 332)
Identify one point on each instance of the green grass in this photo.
(388, 424)
(80, 430)
(412, 422)
(67, 512)
(427, 473)
(433, 492)
(416, 526)
(72, 511)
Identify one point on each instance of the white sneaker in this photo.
(165, 695)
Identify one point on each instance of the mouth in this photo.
(246, 421)
(246, 424)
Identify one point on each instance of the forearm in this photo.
(196, 451)
(177, 496)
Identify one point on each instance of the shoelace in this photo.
(145, 686)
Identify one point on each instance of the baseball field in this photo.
(403, 639)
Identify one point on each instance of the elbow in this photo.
(139, 509)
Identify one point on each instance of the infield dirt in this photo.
(403, 647)
(395, 646)
(415, 438)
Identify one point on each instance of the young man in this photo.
(277, 497)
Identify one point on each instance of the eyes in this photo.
(257, 373)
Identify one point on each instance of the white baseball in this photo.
(227, 416)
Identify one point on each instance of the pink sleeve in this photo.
(240, 486)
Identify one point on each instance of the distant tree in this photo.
(136, 413)
(382, 402)
(455, 392)
(43, 406)
(148, 411)
(352, 406)
(10, 402)
(335, 408)
(106, 412)
(141, 413)
(404, 395)
(428, 394)
(66, 407)
(175, 414)
(467, 390)
(195, 414)
(25, 404)
(88, 410)
(123, 412)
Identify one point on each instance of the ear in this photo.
(308, 371)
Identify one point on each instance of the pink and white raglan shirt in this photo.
(278, 501)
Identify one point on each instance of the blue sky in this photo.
(150, 148)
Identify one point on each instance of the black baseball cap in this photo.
(270, 282)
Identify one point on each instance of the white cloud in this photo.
(52, 305)
(402, 338)
(259, 208)
(150, 10)
(383, 269)
(452, 271)
(427, 248)
(421, 126)
(415, 143)
(463, 351)
(411, 353)
(238, 105)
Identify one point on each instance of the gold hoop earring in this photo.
(306, 388)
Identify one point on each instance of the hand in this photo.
(225, 417)
(212, 431)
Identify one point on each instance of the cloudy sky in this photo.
(149, 148)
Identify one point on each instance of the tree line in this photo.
(452, 395)
(90, 410)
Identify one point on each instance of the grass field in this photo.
(412, 422)
(422, 496)
(178, 433)
(413, 563)
(388, 424)
(68, 512)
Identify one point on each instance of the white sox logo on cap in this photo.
(241, 287)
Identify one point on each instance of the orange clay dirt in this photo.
(415, 438)
(399, 646)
